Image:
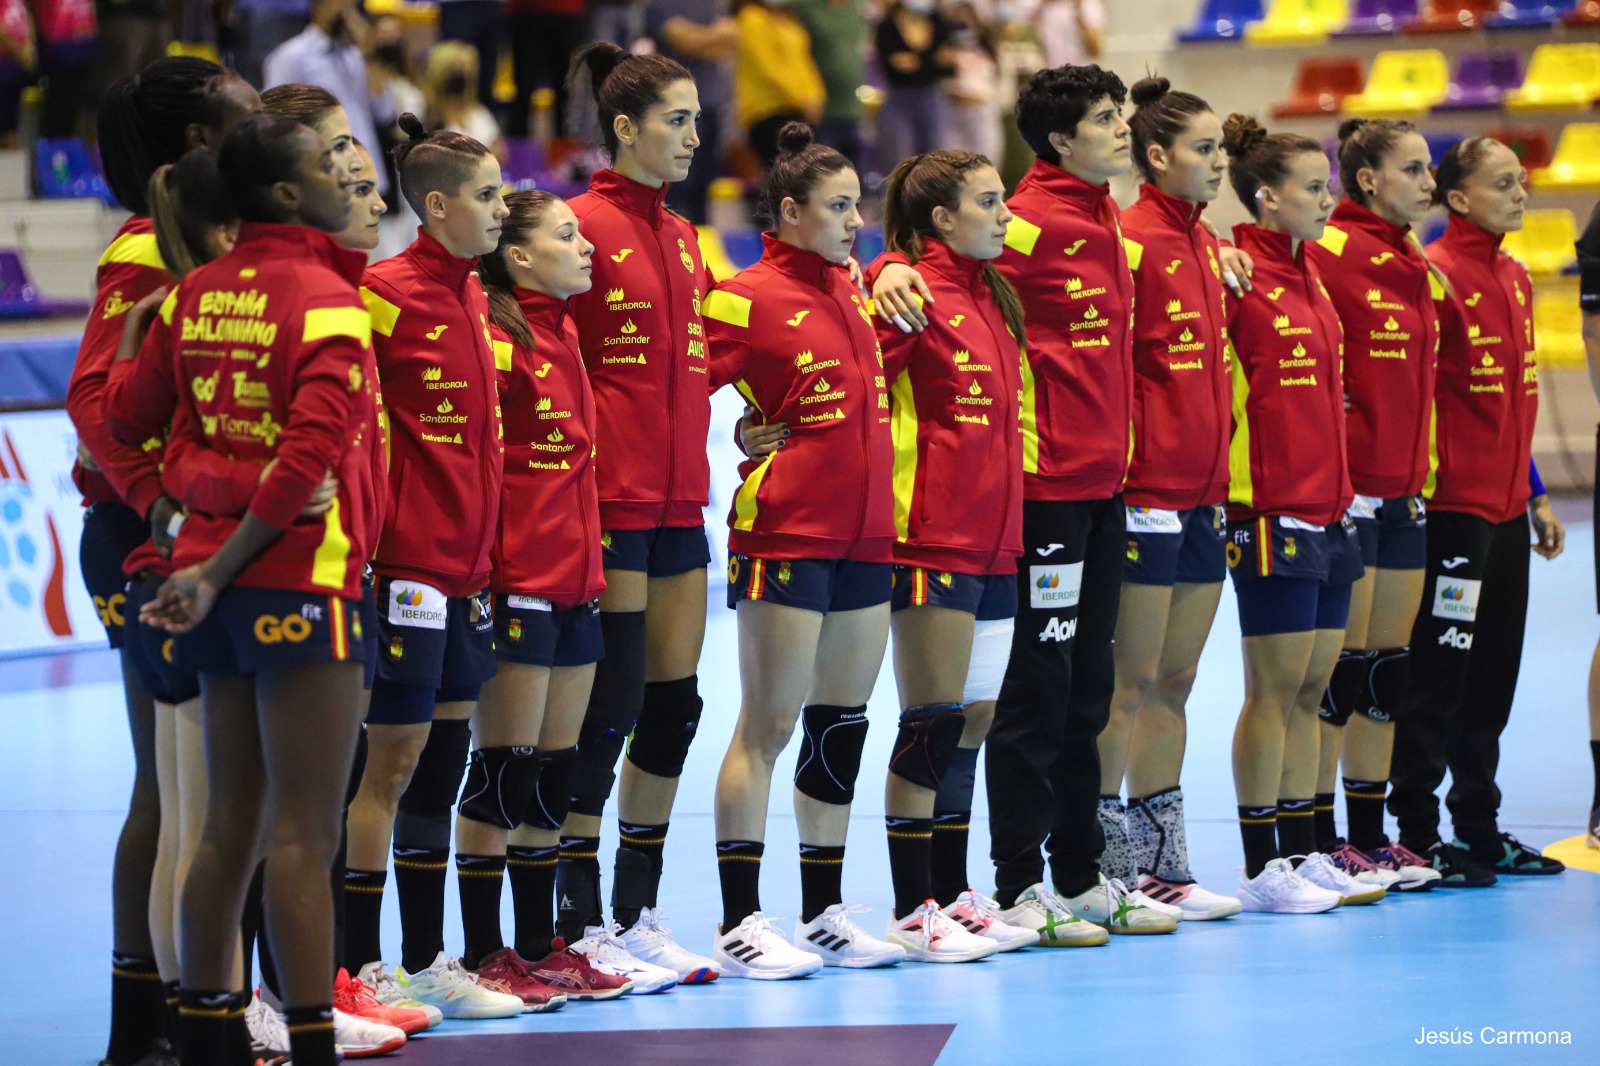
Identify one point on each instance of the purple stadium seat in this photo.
(18, 297)
(1482, 79)
(1522, 14)
(1222, 20)
(1370, 18)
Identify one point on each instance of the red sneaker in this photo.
(570, 971)
(517, 975)
(355, 998)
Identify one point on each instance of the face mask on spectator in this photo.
(455, 84)
(390, 55)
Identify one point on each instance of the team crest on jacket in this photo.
(684, 257)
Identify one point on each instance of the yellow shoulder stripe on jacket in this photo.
(502, 354)
(1435, 285)
(384, 314)
(1022, 235)
(1333, 239)
(729, 307)
(168, 304)
(325, 322)
(139, 248)
(1135, 252)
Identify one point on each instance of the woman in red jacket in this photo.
(1292, 556)
(1466, 645)
(643, 343)
(809, 543)
(1177, 482)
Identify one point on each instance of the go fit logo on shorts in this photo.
(412, 603)
(1456, 598)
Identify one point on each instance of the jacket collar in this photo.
(1351, 215)
(1063, 185)
(629, 195)
(798, 263)
(1472, 238)
(944, 260)
(541, 310)
(1268, 244)
(1180, 213)
(438, 263)
(302, 242)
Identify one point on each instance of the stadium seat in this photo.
(1223, 20)
(715, 254)
(1527, 14)
(1403, 82)
(524, 160)
(1559, 76)
(744, 246)
(1371, 18)
(1450, 16)
(1482, 79)
(1558, 325)
(1439, 141)
(1298, 22)
(1576, 163)
(20, 299)
(64, 170)
(1320, 85)
(1584, 13)
(1545, 242)
(1530, 143)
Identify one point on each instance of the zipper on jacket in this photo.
(1011, 434)
(1212, 333)
(673, 367)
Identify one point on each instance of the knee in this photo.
(1134, 688)
(1172, 689)
(384, 781)
(980, 718)
(301, 846)
(765, 736)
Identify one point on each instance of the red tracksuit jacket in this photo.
(1384, 292)
(268, 363)
(549, 540)
(792, 335)
(644, 345)
(430, 332)
(1287, 456)
(1488, 389)
(1064, 254)
(1181, 385)
(955, 400)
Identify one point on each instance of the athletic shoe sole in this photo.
(1261, 906)
(703, 976)
(864, 962)
(551, 1004)
(916, 954)
(1139, 930)
(1362, 899)
(732, 967)
(369, 1051)
(1211, 914)
(1012, 945)
(1529, 871)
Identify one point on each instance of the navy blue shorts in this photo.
(529, 629)
(1168, 547)
(256, 631)
(1393, 532)
(665, 551)
(163, 673)
(111, 532)
(367, 619)
(821, 585)
(430, 641)
(1300, 583)
(987, 597)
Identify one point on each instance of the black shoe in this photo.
(1507, 855)
(1456, 868)
(1594, 828)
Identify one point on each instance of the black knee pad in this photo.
(666, 726)
(552, 795)
(1347, 688)
(928, 737)
(437, 778)
(613, 708)
(1391, 669)
(500, 781)
(830, 752)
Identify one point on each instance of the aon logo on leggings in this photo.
(1459, 639)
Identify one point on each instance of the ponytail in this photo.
(144, 122)
(436, 161)
(621, 84)
(188, 202)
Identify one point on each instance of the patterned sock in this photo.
(1116, 861)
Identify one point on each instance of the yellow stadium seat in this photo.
(1402, 82)
(197, 49)
(1545, 242)
(1559, 76)
(715, 254)
(414, 14)
(1576, 164)
(1558, 326)
(1298, 22)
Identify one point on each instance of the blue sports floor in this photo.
(1359, 984)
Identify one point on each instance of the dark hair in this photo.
(1056, 99)
(1161, 118)
(1363, 144)
(801, 163)
(527, 212)
(309, 104)
(622, 84)
(915, 188)
(1258, 158)
(187, 202)
(144, 121)
(440, 161)
(254, 156)
(1457, 164)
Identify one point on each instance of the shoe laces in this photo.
(608, 935)
(650, 925)
(456, 970)
(1052, 901)
(1322, 863)
(1117, 893)
(758, 927)
(1516, 845)
(985, 906)
(1351, 857)
(838, 918)
(935, 925)
(354, 994)
(1405, 856)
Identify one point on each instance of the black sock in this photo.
(311, 1035)
(1326, 831)
(419, 877)
(910, 861)
(239, 1042)
(578, 886)
(1297, 831)
(1594, 753)
(647, 840)
(533, 895)
(478, 881)
(739, 870)
(821, 872)
(203, 1024)
(1259, 828)
(169, 1013)
(950, 855)
(136, 1005)
(1363, 809)
(363, 917)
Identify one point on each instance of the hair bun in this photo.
(411, 126)
(1240, 133)
(1349, 126)
(1148, 90)
(794, 137)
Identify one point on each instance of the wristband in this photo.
(175, 523)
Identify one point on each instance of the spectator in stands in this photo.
(700, 35)
(67, 43)
(448, 86)
(1070, 30)
(775, 80)
(838, 31)
(544, 34)
(914, 51)
(482, 24)
(133, 34)
(19, 62)
(973, 90)
(256, 28)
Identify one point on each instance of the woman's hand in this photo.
(1551, 534)
(137, 324)
(322, 498)
(183, 600)
(758, 438)
(895, 293)
(161, 515)
(1237, 266)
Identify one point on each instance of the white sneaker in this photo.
(1359, 866)
(756, 950)
(1196, 903)
(650, 941)
(836, 938)
(604, 949)
(1279, 889)
(1109, 905)
(1047, 914)
(1323, 872)
(360, 1038)
(387, 990)
(447, 985)
(980, 916)
(1170, 910)
(928, 936)
(268, 1029)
